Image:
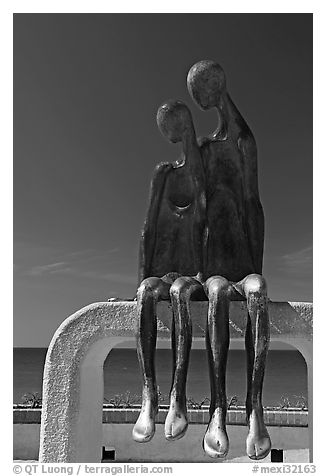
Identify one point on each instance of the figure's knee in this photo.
(255, 284)
(180, 288)
(217, 287)
(149, 288)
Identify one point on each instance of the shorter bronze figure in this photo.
(171, 247)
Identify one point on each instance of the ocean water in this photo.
(285, 375)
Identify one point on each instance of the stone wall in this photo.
(288, 430)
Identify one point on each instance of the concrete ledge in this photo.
(293, 319)
(71, 425)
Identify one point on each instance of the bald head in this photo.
(206, 83)
(173, 119)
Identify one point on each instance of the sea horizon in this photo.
(285, 377)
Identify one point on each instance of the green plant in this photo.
(296, 401)
(233, 402)
(285, 402)
(162, 397)
(123, 400)
(32, 399)
(301, 402)
(127, 400)
(192, 403)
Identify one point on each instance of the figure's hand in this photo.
(201, 141)
(199, 277)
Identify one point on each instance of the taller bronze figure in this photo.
(224, 229)
(233, 256)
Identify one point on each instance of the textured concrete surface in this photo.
(71, 425)
(289, 456)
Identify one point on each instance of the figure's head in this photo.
(173, 118)
(206, 83)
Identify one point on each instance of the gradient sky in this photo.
(86, 91)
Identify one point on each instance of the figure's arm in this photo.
(254, 210)
(148, 235)
(195, 168)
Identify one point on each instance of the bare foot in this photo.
(216, 441)
(176, 422)
(258, 440)
(144, 428)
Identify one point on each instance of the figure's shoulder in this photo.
(159, 175)
(162, 168)
(247, 145)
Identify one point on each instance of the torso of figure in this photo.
(180, 224)
(229, 250)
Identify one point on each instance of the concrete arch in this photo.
(71, 424)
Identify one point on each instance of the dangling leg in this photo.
(216, 442)
(182, 289)
(149, 292)
(257, 342)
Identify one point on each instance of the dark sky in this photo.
(86, 91)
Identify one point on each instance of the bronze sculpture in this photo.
(176, 214)
(227, 265)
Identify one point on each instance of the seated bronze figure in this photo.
(206, 224)
(171, 248)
